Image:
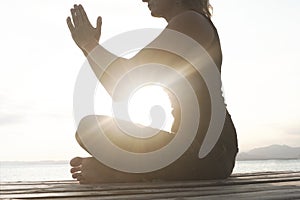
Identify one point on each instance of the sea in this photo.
(60, 170)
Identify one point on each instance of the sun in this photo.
(150, 105)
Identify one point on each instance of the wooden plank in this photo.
(137, 193)
(82, 188)
(73, 184)
(262, 194)
(269, 184)
(265, 174)
(244, 175)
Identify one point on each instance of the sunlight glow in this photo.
(146, 98)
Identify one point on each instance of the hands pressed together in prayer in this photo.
(83, 33)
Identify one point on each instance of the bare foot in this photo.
(91, 171)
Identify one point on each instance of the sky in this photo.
(40, 63)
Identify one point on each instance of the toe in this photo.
(75, 162)
(75, 169)
(82, 180)
(76, 175)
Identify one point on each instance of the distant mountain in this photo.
(271, 152)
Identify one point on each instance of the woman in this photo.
(191, 18)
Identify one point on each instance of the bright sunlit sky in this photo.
(40, 62)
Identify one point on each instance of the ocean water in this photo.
(266, 166)
(52, 171)
(34, 171)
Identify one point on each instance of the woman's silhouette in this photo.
(189, 17)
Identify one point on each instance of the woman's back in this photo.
(201, 29)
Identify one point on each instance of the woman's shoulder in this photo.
(191, 17)
(190, 14)
(195, 25)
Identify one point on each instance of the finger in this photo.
(78, 14)
(83, 13)
(99, 23)
(75, 19)
(70, 25)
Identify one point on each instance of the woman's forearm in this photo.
(107, 67)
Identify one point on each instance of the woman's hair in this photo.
(201, 6)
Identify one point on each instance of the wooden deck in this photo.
(267, 185)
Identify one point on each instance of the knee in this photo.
(86, 121)
(91, 123)
(84, 126)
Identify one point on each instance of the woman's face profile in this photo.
(159, 8)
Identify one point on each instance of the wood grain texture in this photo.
(266, 185)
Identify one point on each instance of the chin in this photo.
(154, 14)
